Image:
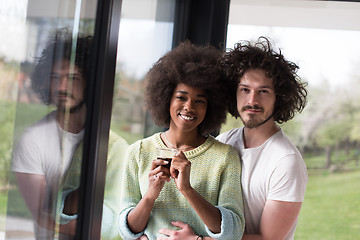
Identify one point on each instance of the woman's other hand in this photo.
(180, 171)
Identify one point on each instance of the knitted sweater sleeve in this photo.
(130, 191)
(230, 201)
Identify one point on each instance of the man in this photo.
(44, 151)
(265, 90)
(274, 175)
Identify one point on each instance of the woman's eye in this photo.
(180, 98)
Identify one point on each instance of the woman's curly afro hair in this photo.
(290, 91)
(193, 65)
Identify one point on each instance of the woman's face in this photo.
(188, 107)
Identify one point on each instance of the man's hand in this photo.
(185, 232)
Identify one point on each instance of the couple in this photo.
(209, 192)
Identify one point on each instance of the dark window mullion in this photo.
(201, 21)
(99, 103)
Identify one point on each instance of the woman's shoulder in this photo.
(223, 148)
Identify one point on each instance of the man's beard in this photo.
(73, 109)
(253, 123)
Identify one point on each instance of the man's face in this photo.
(67, 86)
(255, 98)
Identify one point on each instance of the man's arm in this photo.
(276, 221)
(32, 188)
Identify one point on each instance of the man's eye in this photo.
(263, 91)
(244, 90)
(55, 77)
(74, 78)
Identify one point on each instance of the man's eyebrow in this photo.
(263, 86)
(68, 74)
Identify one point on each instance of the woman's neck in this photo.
(182, 140)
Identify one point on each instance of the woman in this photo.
(202, 187)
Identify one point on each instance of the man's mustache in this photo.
(255, 107)
(64, 94)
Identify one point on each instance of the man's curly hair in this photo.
(59, 47)
(289, 90)
(192, 65)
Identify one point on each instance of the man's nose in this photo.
(253, 98)
(64, 83)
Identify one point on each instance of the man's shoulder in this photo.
(281, 141)
(280, 147)
(42, 129)
(48, 120)
(231, 134)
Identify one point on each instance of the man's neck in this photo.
(255, 137)
(71, 122)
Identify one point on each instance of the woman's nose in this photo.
(188, 105)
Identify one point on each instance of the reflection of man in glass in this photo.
(45, 150)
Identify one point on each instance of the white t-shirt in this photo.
(275, 171)
(46, 149)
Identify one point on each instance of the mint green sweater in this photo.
(215, 175)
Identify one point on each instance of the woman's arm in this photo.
(229, 199)
(209, 214)
(138, 217)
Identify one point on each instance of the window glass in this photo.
(145, 35)
(44, 55)
(322, 37)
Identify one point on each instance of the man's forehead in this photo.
(65, 66)
(256, 78)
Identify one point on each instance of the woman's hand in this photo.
(180, 171)
(185, 232)
(158, 175)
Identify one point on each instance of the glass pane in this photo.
(322, 37)
(145, 35)
(44, 67)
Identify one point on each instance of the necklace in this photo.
(169, 143)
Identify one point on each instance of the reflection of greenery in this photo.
(15, 204)
(117, 127)
(7, 113)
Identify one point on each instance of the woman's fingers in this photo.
(159, 171)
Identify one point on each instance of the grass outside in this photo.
(331, 207)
